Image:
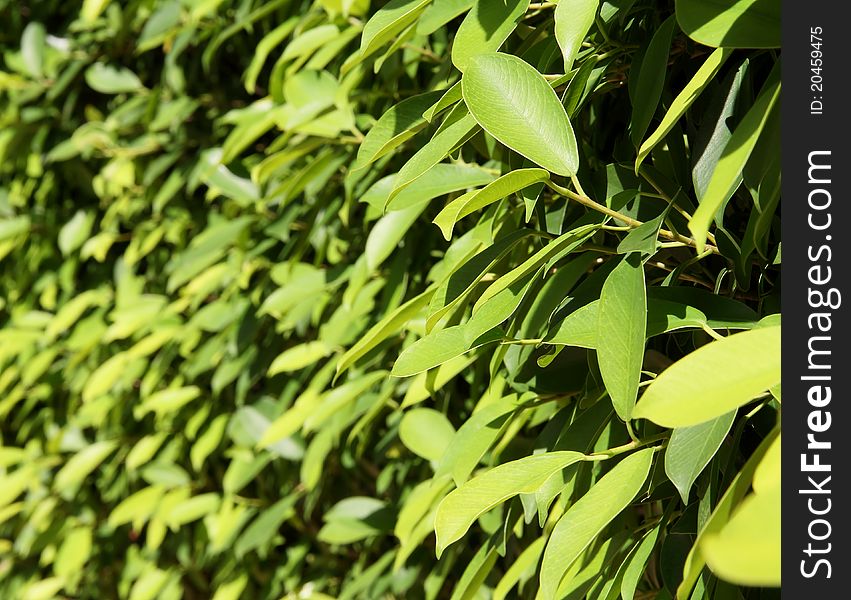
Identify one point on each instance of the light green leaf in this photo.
(449, 97)
(636, 563)
(728, 171)
(108, 79)
(691, 448)
(438, 148)
(573, 19)
(82, 464)
(298, 357)
(526, 563)
(485, 29)
(474, 437)
(384, 329)
(705, 74)
(713, 380)
(516, 105)
(74, 552)
(390, 20)
(741, 24)
(75, 232)
(721, 515)
(388, 232)
(585, 519)
(395, 126)
(747, 549)
(468, 203)
(621, 330)
(441, 346)
(426, 432)
(33, 43)
(562, 245)
(457, 512)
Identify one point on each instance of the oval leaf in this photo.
(516, 105)
(714, 379)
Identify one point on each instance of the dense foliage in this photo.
(426, 299)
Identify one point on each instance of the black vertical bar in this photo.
(816, 266)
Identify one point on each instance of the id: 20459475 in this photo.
(816, 80)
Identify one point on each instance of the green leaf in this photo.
(741, 24)
(621, 330)
(439, 13)
(468, 203)
(728, 171)
(33, 43)
(75, 232)
(81, 465)
(516, 105)
(485, 29)
(651, 80)
(585, 519)
(691, 448)
(526, 563)
(74, 552)
(560, 246)
(573, 19)
(712, 380)
(644, 239)
(441, 346)
(108, 79)
(388, 22)
(426, 432)
(705, 74)
(438, 148)
(636, 563)
(457, 512)
(746, 551)
(388, 232)
(475, 436)
(394, 127)
(384, 329)
(298, 357)
(721, 515)
(449, 97)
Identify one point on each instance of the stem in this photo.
(633, 445)
(585, 200)
(664, 196)
(631, 432)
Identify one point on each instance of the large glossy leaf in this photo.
(485, 28)
(714, 379)
(584, 520)
(516, 105)
(742, 24)
(462, 507)
(621, 331)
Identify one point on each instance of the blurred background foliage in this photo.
(195, 398)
